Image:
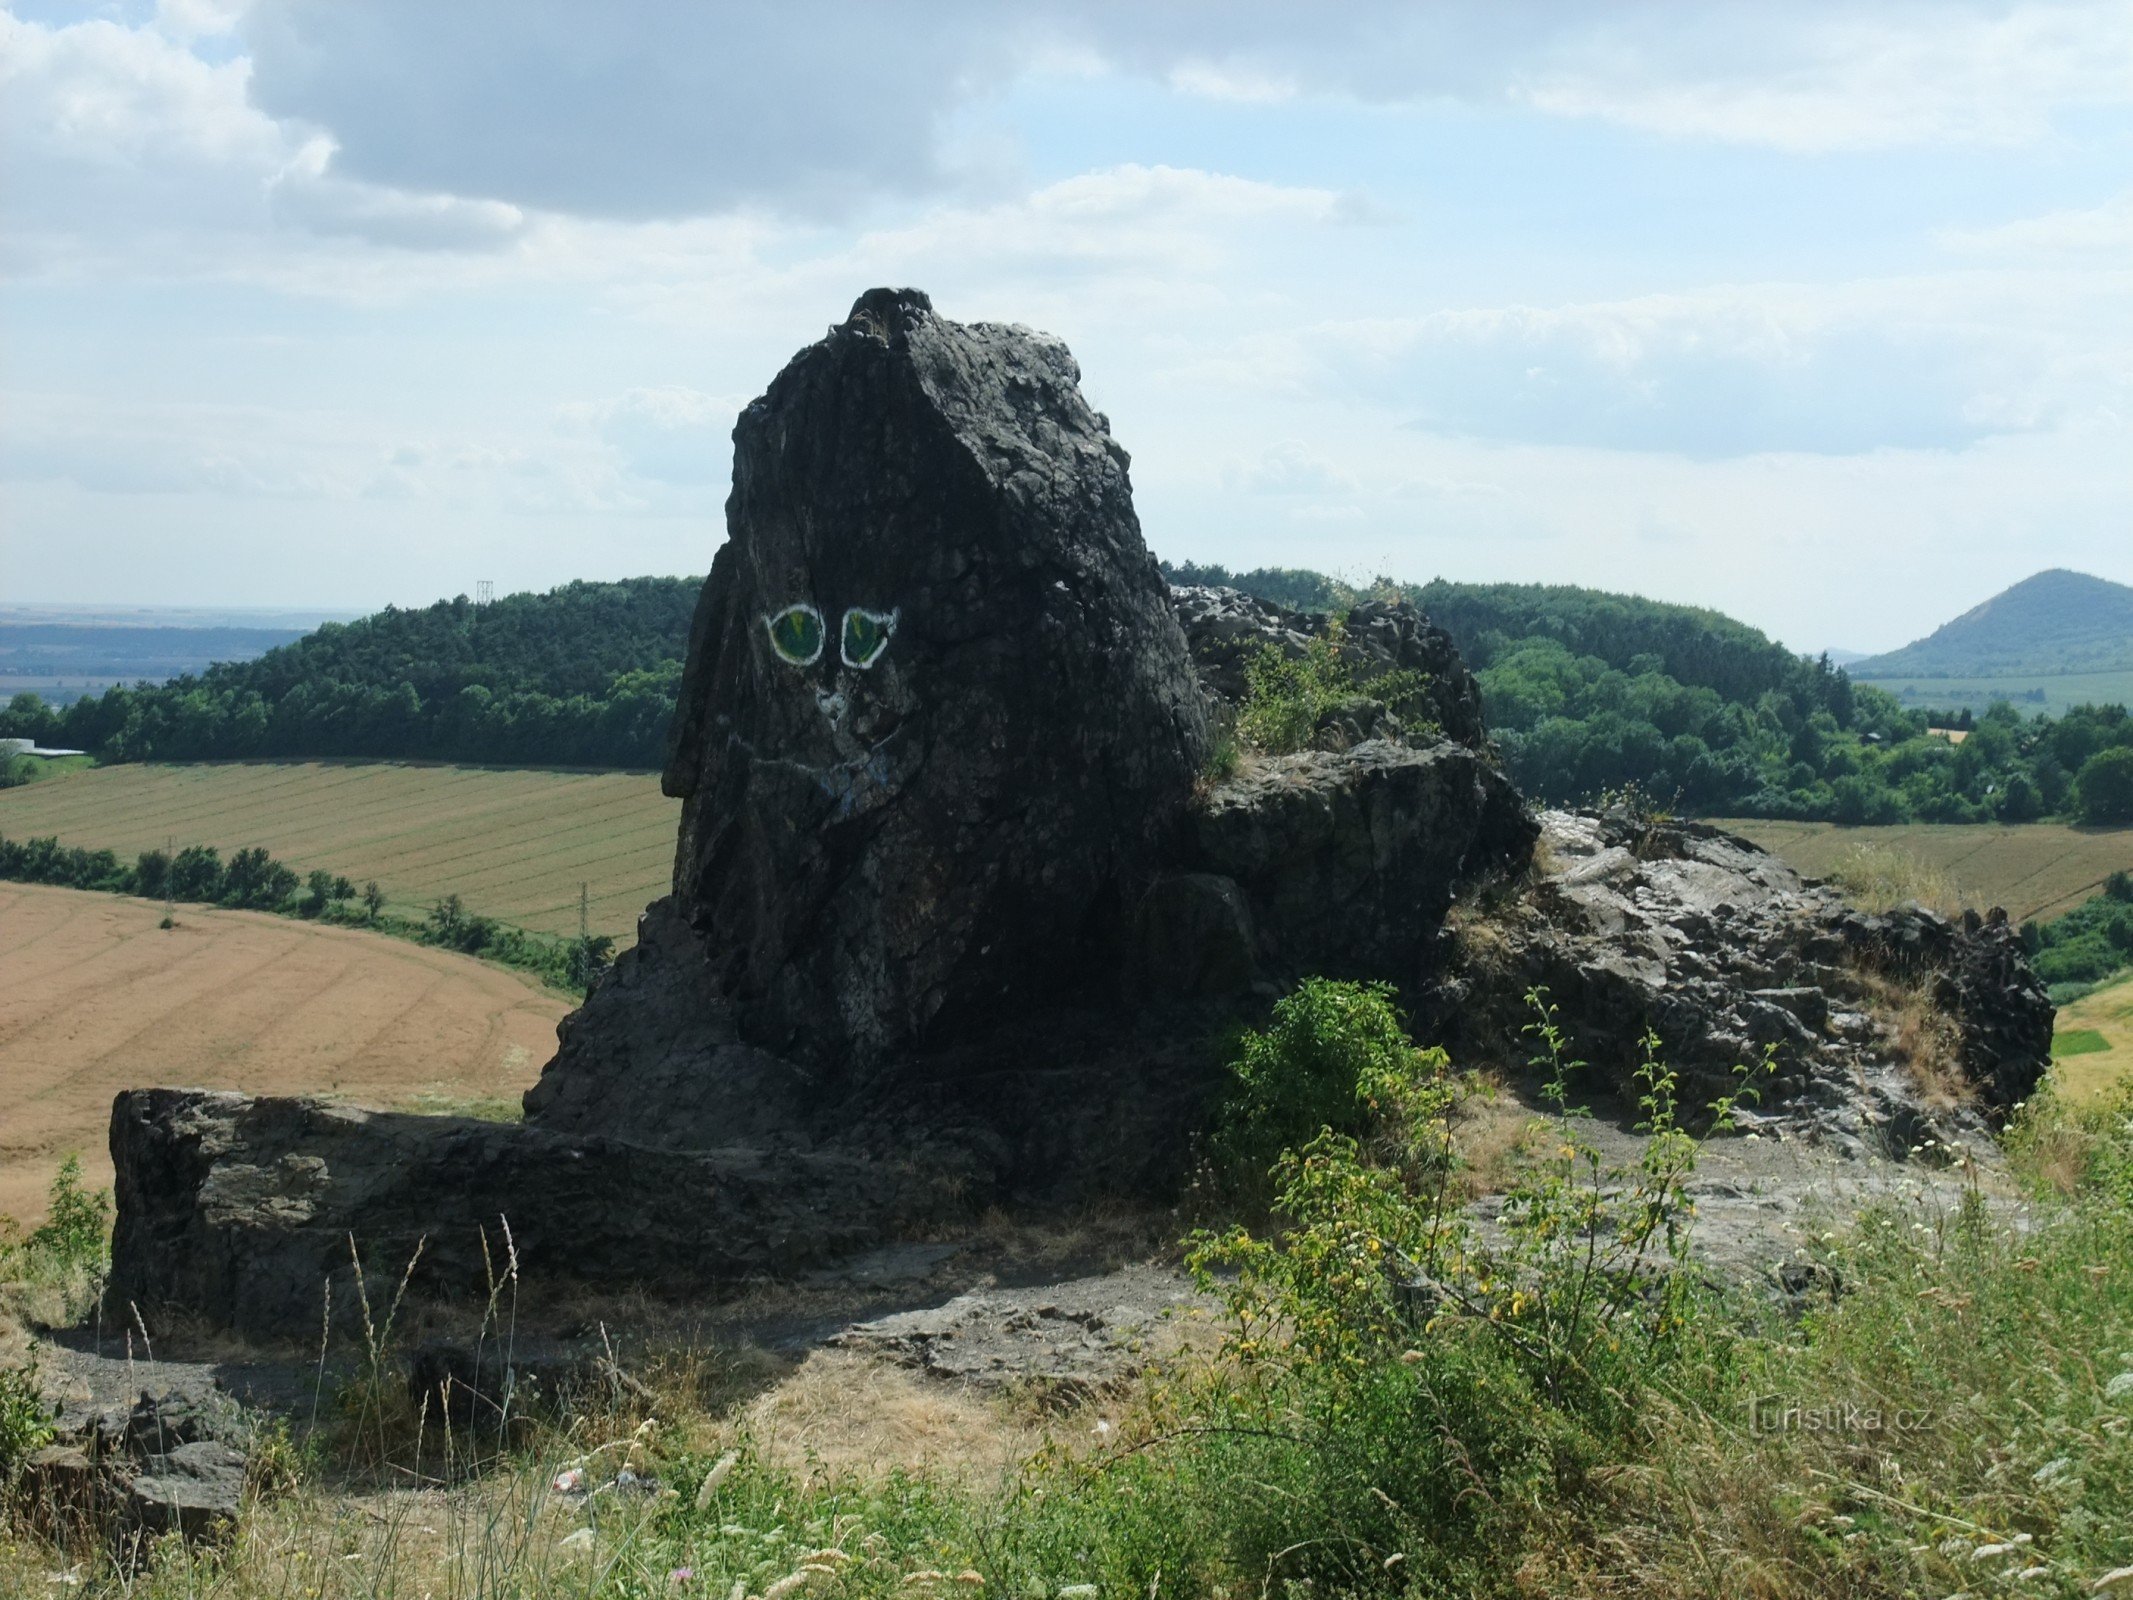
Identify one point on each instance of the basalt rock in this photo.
(242, 1210)
(1225, 628)
(1348, 860)
(1732, 961)
(936, 719)
(958, 907)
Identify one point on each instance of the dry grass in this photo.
(843, 1414)
(512, 844)
(2108, 1012)
(1923, 1036)
(1493, 1135)
(2033, 869)
(1879, 876)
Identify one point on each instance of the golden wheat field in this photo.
(2033, 869)
(513, 844)
(96, 997)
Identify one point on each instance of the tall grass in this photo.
(1400, 1407)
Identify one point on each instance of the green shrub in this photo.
(2104, 786)
(70, 1251)
(25, 1422)
(1288, 697)
(1333, 1056)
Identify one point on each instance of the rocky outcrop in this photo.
(1225, 628)
(937, 718)
(1725, 955)
(1348, 860)
(960, 904)
(242, 1211)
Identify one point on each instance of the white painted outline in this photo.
(770, 627)
(885, 620)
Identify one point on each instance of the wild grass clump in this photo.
(1290, 699)
(55, 1271)
(1878, 876)
(1407, 1401)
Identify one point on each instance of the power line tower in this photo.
(484, 591)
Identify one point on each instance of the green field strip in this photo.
(512, 843)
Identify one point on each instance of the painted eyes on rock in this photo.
(796, 633)
(866, 635)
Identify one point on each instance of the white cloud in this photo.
(1289, 467)
(670, 434)
(639, 109)
(1843, 77)
(2102, 233)
(1732, 370)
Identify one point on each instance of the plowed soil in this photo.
(95, 997)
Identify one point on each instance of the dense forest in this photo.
(582, 675)
(1587, 691)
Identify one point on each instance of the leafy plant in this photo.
(25, 1421)
(1287, 698)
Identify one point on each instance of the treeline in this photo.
(1588, 692)
(252, 880)
(582, 675)
(2092, 942)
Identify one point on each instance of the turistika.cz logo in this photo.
(1778, 1413)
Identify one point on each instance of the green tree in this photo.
(151, 874)
(373, 900)
(2104, 787)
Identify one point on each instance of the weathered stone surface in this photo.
(65, 1494)
(1349, 859)
(1075, 1335)
(194, 1490)
(937, 716)
(241, 1210)
(1724, 953)
(1224, 628)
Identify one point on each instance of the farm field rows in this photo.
(511, 843)
(96, 997)
(2061, 691)
(2033, 869)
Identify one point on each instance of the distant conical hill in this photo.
(2055, 622)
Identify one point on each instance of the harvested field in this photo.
(513, 844)
(95, 997)
(2034, 869)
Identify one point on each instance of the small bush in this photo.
(25, 1423)
(1288, 698)
(70, 1251)
(1333, 1055)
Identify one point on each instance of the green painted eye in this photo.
(866, 635)
(796, 634)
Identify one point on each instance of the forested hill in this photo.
(2055, 622)
(584, 674)
(1587, 691)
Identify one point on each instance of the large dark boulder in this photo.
(243, 1211)
(937, 717)
(1349, 859)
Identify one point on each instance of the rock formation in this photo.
(959, 901)
(937, 718)
(1723, 953)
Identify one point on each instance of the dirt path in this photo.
(94, 998)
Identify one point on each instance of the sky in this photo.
(1819, 314)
